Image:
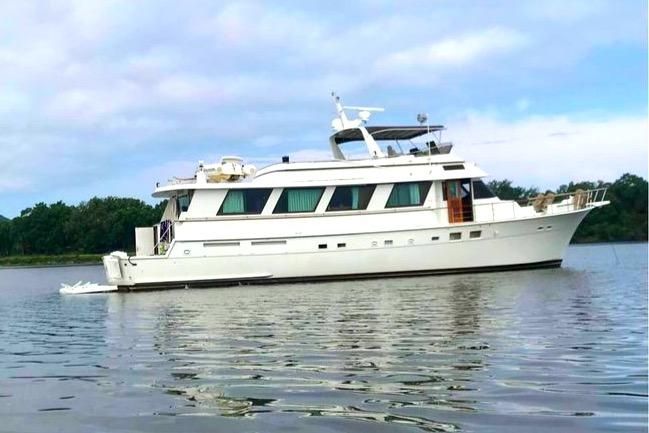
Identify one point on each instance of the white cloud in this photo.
(547, 151)
(84, 80)
(456, 51)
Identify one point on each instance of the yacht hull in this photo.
(537, 242)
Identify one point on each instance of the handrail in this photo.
(541, 205)
(164, 235)
(512, 205)
(590, 192)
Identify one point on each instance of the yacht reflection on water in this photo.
(305, 349)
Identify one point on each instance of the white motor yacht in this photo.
(410, 206)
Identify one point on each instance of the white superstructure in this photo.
(411, 207)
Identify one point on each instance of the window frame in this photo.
(244, 190)
(423, 196)
(479, 188)
(372, 188)
(179, 209)
(285, 190)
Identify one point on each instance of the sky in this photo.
(108, 97)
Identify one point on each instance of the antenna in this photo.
(342, 122)
(423, 118)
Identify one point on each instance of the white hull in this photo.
(522, 243)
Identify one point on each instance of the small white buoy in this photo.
(81, 288)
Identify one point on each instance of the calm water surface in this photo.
(562, 350)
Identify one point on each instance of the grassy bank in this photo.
(49, 260)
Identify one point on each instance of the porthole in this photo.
(387, 242)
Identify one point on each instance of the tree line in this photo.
(99, 225)
(102, 225)
(625, 219)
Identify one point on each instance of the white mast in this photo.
(342, 122)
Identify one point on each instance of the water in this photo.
(561, 349)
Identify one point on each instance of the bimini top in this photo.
(384, 133)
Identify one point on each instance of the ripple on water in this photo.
(562, 349)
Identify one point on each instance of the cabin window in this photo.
(355, 197)
(453, 167)
(455, 236)
(408, 194)
(244, 201)
(298, 200)
(182, 202)
(475, 234)
(480, 190)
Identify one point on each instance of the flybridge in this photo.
(385, 133)
(349, 130)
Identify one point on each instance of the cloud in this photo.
(122, 87)
(457, 51)
(547, 151)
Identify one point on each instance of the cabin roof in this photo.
(380, 133)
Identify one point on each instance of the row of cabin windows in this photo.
(356, 197)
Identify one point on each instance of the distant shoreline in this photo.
(51, 265)
(50, 261)
(60, 261)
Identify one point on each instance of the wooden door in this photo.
(454, 201)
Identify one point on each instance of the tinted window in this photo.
(182, 203)
(480, 190)
(465, 184)
(298, 200)
(355, 197)
(408, 194)
(244, 201)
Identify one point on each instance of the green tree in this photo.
(7, 238)
(42, 229)
(625, 219)
(105, 224)
(505, 191)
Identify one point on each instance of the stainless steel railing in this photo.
(542, 204)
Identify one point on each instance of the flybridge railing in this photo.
(542, 204)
